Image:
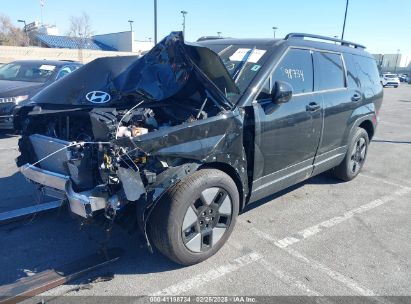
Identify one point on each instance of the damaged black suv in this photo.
(189, 134)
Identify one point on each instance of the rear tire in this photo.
(354, 158)
(195, 217)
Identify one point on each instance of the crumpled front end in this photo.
(128, 151)
(105, 165)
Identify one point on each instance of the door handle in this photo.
(356, 97)
(313, 106)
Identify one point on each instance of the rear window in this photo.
(331, 71)
(368, 71)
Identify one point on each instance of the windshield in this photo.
(243, 62)
(390, 75)
(27, 71)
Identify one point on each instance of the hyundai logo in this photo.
(98, 97)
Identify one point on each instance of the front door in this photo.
(287, 135)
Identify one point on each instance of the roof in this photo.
(45, 61)
(65, 42)
(239, 41)
(274, 43)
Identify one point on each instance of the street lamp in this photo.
(274, 29)
(25, 29)
(184, 13)
(131, 25)
(219, 34)
(345, 18)
(23, 21)
(155, 21)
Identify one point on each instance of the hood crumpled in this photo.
(156, 76)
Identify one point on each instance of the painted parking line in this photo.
(315, 229)
(385, 181)
(335, 275)
(209, 276)
(288, 279)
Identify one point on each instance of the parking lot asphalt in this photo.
(320, 237)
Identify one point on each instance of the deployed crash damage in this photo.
(122, 130)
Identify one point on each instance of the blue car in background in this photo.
(20, 80)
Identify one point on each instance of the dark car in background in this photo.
(189, 134)
(404, 77)
(20, 80)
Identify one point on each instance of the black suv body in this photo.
(189, 134)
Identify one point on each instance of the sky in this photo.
(383, 26)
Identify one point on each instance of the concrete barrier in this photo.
(11, 53)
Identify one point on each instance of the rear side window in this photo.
(331, 71)
(352, 75)
(296, 68)
(367, 71)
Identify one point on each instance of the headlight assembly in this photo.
(15, 99)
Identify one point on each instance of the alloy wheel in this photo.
(207, 219)
(358, 155)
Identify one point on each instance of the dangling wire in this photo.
(66, 147)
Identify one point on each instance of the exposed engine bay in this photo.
(121, 131)
(91, 159)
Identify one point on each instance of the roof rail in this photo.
(343, 42)
(203, 38)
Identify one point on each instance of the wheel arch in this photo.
(231, 172)
(368, 126)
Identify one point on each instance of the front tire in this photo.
(195, 217)
(354, 158)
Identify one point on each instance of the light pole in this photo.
(131, 25)
(396, 61)
(274, 29)
(345, 18)
(155, 21)
(219, 34)
(184, 13)
(25, 29)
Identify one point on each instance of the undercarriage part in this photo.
(83, 203)
(132, 184)
(28, 287)
(15, 215)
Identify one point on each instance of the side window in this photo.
(331, 71)
(367, 71)
(352, 74)
(296, 68)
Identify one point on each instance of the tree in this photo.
(10, 34)
(80, 31)
(80, 26)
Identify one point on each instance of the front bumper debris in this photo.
(82, 203)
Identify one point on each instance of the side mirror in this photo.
(281, 92)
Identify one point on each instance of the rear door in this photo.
(287, 135)
(339, 101)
